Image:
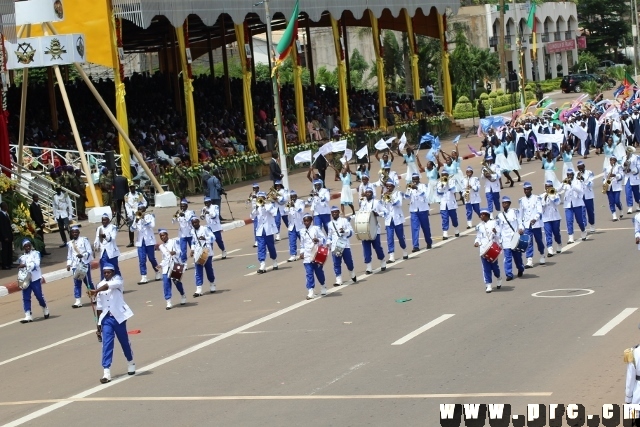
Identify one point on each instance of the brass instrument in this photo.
(551, 191)
(272, 195)
(607, 182)
(177, 214)
(580, 176)
(139, 214)
(486, 169)
(467, 192)
(203, 214)
(444, 179)
(386, 197)
(384, 176)
(251, 197)
(567, 180)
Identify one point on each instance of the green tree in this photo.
(393, 60)
(262, 72)
(586, 59)
(326, 77)
(358, 67)
(606, 24)
(470, 64)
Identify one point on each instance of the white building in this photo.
(556, 35)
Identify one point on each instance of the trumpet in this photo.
(384, 176)
(260, 201)
(580, 176)
(551, 191)
(626, 166)
(140, 214)
(444, 179)
(177, 214)
(567, 180)
(251, 197)
(386, 197)
(203, 214)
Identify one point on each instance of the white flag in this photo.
(348, 154)
(326, 148)
(339, 146)
(403, 141)
(580, 132)
(381, 145)
(364, 151)
(390, 141)
(302, 157)
(554, 138)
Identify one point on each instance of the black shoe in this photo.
(415, 250)
(520, 273)
(130, 245)
(468, 227)
(457, 234)
(509, 278)
(64, 245)
(445, 238)
(261, 271)
(355, 279)
(405, 257)
(429, 246)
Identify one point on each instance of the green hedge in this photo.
(494, 111)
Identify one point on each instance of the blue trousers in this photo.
(614, 200)
(552, 231)
(310, 269)
(534, 233)
(570, 213)
(632, 192)
(293, 241)
(420, 220)
(208, 267)
(266, 242)
(104, 259)
(322, 220)
(110, 330)
(589, 212)
(446, 214)
(337, 261)
(493, 201)
(471, 208)
(166, 285)
(280, 219)
(77, 284)
(145, 252)
(184, 241)
(510, 257)
(488, 268)
(218, 236)
(398, 230)
(36, 288)
(366, 248)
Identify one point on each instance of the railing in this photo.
(544, 37)
(557, 36)
(31, 183)
(568, 35)
(493, 41)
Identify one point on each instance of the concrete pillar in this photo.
(540, 58)
(553, 64)
(565, 66)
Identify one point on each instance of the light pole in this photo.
(276, 97)
(520, 55)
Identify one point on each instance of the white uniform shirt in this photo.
(109, 243)
(306, 241)
(145, 226)
(212, 217)
(184, 223)
(550, 207)
(131, 201)
(362, 188)
(447, 193)
(295, 215)
(530, 208)
(374, 206)
(167, 258)
(573, 194)
(265, 216)
(283, 198)
(394, 208)
(474, 192)
(616, 179)
(632, 385)
(62, 207)
(418, 197)
(334, 231)
(485, 235)
(588, 184)
(209, 238)
(320, 203)
(492, 186)
(112, 300)
(507, 224)
(82, 247)
(32, 263)
(634, 175)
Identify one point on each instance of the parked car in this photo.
(607, 64)
(572, 82)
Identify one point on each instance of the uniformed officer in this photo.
(507, 225)
(340, 231)
(531, 218)
(586, 176)
(106, 185)
(310, 237)
(79, 255)
(485, 236)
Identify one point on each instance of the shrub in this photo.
(529, 95)
(528, 86)
(463, 99)
(500, 92)
(463, 107)
(493, 95)
(484, 97)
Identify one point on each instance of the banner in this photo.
(553, 138)
(403, 141)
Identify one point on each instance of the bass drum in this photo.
(365, 226)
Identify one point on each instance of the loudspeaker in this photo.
(422, 124)
(110, 158)
(419, 107)
(271, 142)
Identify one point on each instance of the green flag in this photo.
(531, 20)
(628, 81)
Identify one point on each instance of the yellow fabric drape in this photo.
(342, 78)
(297, 86)
(246, 89)
(415, 76)
(121, 106)
(382, 91)
(188, 98)
(446, 78)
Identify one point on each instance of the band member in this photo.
(296, 210)
(507, 225)
(113, 314)
(586, 176)
(106, 245)
(79, 255)
(252, 199)
(364, 184)
(550, 201)
(62, 212)
(131, 202)
(394, 221)
(211, 215)
(492, 184)
(471, 195)
(418, 195)
(369, 204)
(485, 236)
(170, 249)
(632, 179)
(264, 215)
(203, 239)
(636, 225)
(320, 205)
(612, 183)
(632, 386)
(144, 223)
(573, 191)
(339, 233)
(446, 189)
(310, 237)
(283, 215)
(531, 219)
(30, 262)
(183, 217)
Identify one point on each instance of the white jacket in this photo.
(167, 258)
(265, 216)
(145, 226)
(212, 216)
(320, 203)
(62, 207)
(295, 215)
(419, 198)
(550, 210)
(79, 247)
(474, 192)
(507, 224)
(447, 193)
(109, 243)
(485, 235)
(32, 263)
(334, 231)
(376, 206)
(616, 179)
(394, 208)
(209, 238)
(588, 185)
(131, 201)
(530, 208)
(306, 241)
(493, 186)
(573, 194)
(184, 223)
(112, 300)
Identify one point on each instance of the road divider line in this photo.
(55, 344)
(9, 323)
(422, 329)
(615, 322)
(228, 253)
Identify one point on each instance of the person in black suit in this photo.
(35, 211)
(6, 235)
(275, 173)
(120, 190)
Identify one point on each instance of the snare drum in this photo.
(340, 246)
(176, 271)
(81, 271)
(491, 252)
(24, 278)
(520, 242)
(201, 255)
(319, 254)
(365, 226)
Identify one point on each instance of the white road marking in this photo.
(537, 294)
(527, 174)
(55, 344)
(3, 291)
(338, 378)
(9, 323)
(615, 322)
(228, 253)
(422, 329)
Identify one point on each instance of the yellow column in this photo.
(297, 86)
(415, 76)
(246, 88)
(382, 92)
(115, 28)
(446, 78)
(342, 78)
(188, 96)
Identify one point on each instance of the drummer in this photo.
(30, 262)
(551, 218)
(311, 237)
(79, 255)
(170, 249)
(507, 227)
(369, 204)
(203, 239)
(340, 231)
(485, 237)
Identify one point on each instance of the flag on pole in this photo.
(456, 140)
(339, 146)
(531, 23)
(381, 145)
(348, 154)
(364, 151)
(288, 38)
(403, 141)
(302, 157)
(628, 81)
(326, 148)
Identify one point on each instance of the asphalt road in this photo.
(257, 353)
